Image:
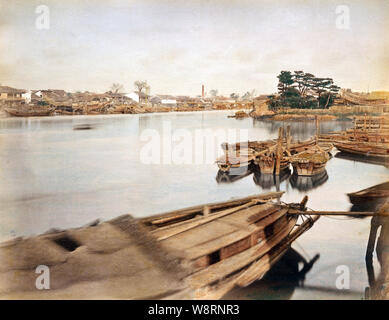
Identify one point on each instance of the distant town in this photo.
(299, 95)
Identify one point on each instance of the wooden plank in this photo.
(181, 213)
(204, 233)
(174, 230)
(260, 267)
(207, 247)
(201, 217)
(253, 214)
(223, 268)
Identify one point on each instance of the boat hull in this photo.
(308, 168)
(366, 150)
(377, 194)
(31, 113)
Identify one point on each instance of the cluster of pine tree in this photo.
(304, 91)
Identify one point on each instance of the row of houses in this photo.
(61, 98)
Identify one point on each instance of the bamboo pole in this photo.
(339, 213)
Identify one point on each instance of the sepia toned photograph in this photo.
(194, 150)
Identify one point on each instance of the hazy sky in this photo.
(232, 46)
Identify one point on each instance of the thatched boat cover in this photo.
(111, 260)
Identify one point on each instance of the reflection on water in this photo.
(360, 158)
(234, 174)
(52, 176)
(280, 282)
(306, 183)
(267, 181)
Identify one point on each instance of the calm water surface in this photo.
(52, 176)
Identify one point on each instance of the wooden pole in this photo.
(317, 129)
(288, 138)
(364, 123)
(279, 150)
(227, 153)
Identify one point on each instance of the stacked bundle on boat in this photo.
(312, 161)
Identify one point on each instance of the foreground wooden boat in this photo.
(378, 194)
(30, 112)
(198, 252)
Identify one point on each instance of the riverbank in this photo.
(310, 114)
(131, 109)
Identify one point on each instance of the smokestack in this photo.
(202, 90)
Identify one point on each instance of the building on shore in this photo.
(11, 94)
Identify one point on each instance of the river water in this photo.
(54, 176)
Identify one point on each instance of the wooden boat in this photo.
(254, 145)
(258, 146)
(239, 115)
(311, 162)
(365, 129)
(237, 159)
(30, 112)
(326, 146)
(367, 149)
(378, 194)
(267, 161)
(296, 147)
(199, 252)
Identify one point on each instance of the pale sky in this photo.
(232, 46)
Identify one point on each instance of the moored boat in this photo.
(366, 149)
(377, 194)
(267, 161)
(30, 112)
(237, 159)
(311, 162)
(198, 252)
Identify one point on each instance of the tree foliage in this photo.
(213, 93)
(116, 88)
(303, 90)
